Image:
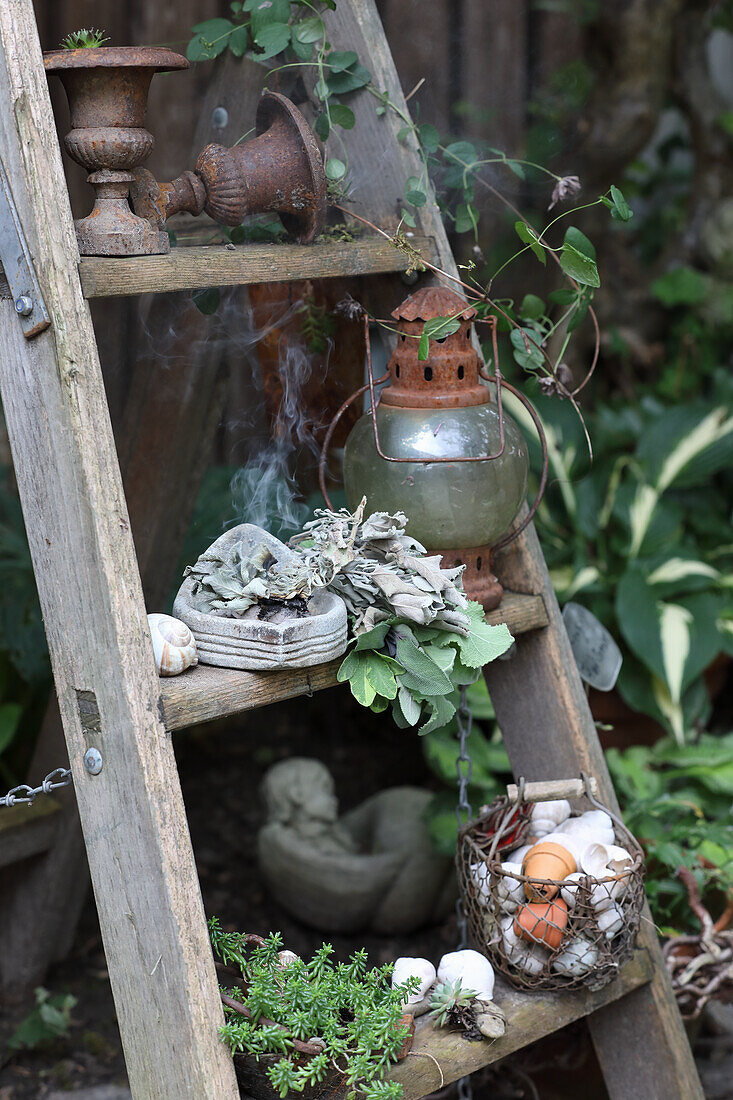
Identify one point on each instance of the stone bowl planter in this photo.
(248, 642)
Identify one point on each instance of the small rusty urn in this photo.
(280, 171)
(107, 89)
(438, 448)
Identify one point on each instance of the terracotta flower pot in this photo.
(547, 860)
(542, 922)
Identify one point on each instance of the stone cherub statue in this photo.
(374, 868)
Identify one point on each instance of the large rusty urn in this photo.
(107, 89)
(280, 171)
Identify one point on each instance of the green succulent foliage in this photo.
(677, 800)
(446, 997)
(351, 1007)
(418, 671)
(642, 538)
(84, 39)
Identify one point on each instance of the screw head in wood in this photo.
(93, 761)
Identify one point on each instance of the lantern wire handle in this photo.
(323, 459)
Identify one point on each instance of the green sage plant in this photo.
(348, 1010)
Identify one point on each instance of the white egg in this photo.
(474, 971)
(510, 891)
(576, 958)
(422, 969)
(611, 921)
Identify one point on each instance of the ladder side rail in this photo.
(549, 731)
(138, 845)
(539, 699)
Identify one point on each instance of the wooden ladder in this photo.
(132, 813)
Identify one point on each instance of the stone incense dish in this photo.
(284, 639)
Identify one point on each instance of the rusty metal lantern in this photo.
(436, 446)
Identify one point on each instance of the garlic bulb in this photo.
(174, 646)
(611, 921)
(556, 810)
(422, 969)
(481, 877)
(510, 891)
(530, 957)
(569, 888)
(577, 958)
(474, 971)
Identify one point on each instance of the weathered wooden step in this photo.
(200, 266)
(27, 830)
(205, 693)
(439, 1056)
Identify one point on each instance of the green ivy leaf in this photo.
(532, 307)
(339, 60)
(438, 328)
(273, 39)
(342, 116)
(528, 236)
(579, 267)
(423, 348)
(579, 240)
(466, 218)
(207, 301)
(682, 286)
(308, 31)
(621, 209)
(322, 126)
(408, 219)
(416, 198)
(264, 12)
(349, 80)
(211, 39)
(335, 169)
(429, 137)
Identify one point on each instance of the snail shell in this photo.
(174, 645)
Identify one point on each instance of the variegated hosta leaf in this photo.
(675, 623)
(675, 570)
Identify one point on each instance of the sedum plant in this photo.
(346, 1010)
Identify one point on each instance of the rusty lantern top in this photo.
(449, 377)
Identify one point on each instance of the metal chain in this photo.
(464, 770)
(25, 795)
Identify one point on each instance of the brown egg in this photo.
(542, 922)
(547, 860)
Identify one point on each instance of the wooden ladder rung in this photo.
(27, 830)
(530, 1016)
(205, 693)
(200, 266)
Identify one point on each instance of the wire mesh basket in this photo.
(553, 894)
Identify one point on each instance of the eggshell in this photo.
(576, 845)
(611, 921)
(510, 891)
(604, 894)
(422, 969)
(542, 922)
(546, 860)
(605, 860)
(472, 969)
(577, 958)
(569, 888)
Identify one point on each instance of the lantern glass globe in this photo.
(448, 505)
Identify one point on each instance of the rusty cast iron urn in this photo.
(461, 474)
(107, 89)
(279, 171)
